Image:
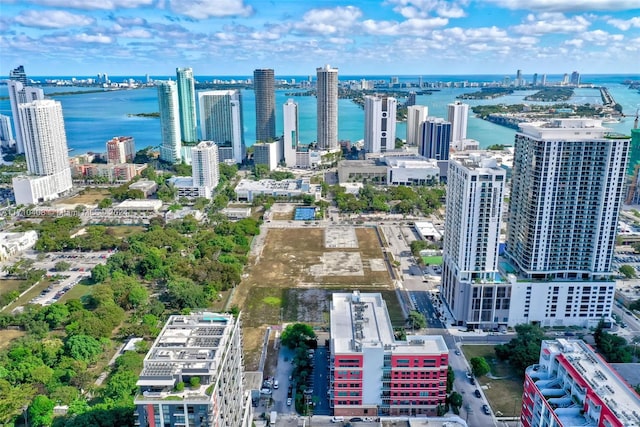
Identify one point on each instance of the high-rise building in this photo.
(266, 153)
(411, 99)
(18, 74)
(169, 122)
(565, 79)
(379, 123)
(535, 79)
(221, 122)
(575, 78)
(205, 168)
(572, 385)
(6, 132)
(187, 105)
(20, 94)
(416, 114)
(264, 88)
(519, 80)
(291, 132)
(373, 373)
(458, 114)
(434, 139)
(121, 149)
(543, 80)
(471, 284)
(566, 194)
(45, 143)
(327, 104)
(204, 351)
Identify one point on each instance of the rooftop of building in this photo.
(410, 161)
(135, 204)
(271, 184)
(362, 321)
(480, 162)
(598, 375)
(143, 184)
(568, 129)
(186, 343)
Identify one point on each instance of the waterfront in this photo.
(93, 118)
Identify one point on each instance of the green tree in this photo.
(417, 320)
(83, 347)
(455, 399)
(41, 411)
(105, 203)
(194, 382)
(99, 273)
(62, 266)
(13, 398)
(523, 350)
(627, 271)
(296, 334)
(451, 377)
(479, 366)
(183, 293)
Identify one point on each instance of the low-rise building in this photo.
(14, 243)
(373, 373)
(247, 189)
(372, 171)
(146, 186)
(573, 386)
(267, 153)
(135, 205)
(122, 172)
(412, 170)
(193, 375)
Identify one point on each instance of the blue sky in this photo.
(404, 37)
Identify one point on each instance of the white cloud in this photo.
(52, 19)
(567, 6)
(136, 33)
(413, 26)
(546, 23)
(94, 4)
(575, 42)
(93, 38)
(424, 8)
(203, 9)
(332, 21)
(600, 37)
(624, 25)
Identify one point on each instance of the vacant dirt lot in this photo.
(294, 276)
(90, 196)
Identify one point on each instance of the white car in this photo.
(288, 401)
(337, 419)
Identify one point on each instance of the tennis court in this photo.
(305, 214)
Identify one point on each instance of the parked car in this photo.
(486, 410)
(289, 401)
(477, 393)
(337, 419)
(355, 419)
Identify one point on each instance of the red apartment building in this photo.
(574, 386)
(374, 374)
(121, 149)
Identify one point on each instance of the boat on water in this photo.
(610, 119)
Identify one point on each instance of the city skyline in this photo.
(52, 37)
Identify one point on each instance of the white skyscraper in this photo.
(379, 123)
(566, 194)
(45, 144)
(221, 122)
(416, 114)
(20, 94)
(6, 132)
(205, 168)
(475, 191)
(327, 104)
(457, 116)
(169, 122)
(291, 132)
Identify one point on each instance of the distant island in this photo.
(551, 94)
(148, 115)
(487, 93)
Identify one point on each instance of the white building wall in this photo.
(379, 123)
(416, 114)
(458, 114)
(37, 189)
(577, 303)
(372, 367)
(291, 132)
(20, 94)
(205, 166)
(6, 131)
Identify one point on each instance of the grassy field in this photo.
(90, 196)
(503, 387)
(279, 286)
(8, 335)
(33, 292)
(432, 260)
(125, 230)
(8, 285)
(77, 292)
